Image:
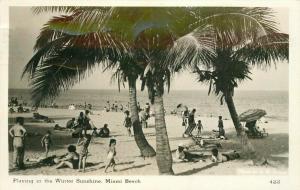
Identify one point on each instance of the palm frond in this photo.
(39, 56)
(51, 79)
(265, 50)
(60, 9)
(197, 47)
(238, 25)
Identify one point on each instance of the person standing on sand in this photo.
(18, 132)
(192, 118)
(87, 122)
(221, 128)
(200, 127)
(127, 123)
(147, 108)
(144, 117)
(83, 143)
(139, 107)
(111, 155)
(46, 142)
(185, 116)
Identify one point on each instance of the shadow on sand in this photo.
(133, 167)
(196, 170)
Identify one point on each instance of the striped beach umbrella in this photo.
(252, 115)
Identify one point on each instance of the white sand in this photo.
(128, 160)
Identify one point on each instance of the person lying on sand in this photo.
(42, 117)
(59, 128)
(71, 159)
(223, 157)
(49, 161)
(182, 155)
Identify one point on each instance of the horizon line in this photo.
(170, 90)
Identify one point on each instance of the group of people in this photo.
(84, 123)
(19, 109)
(85, 106)
(188, 121)
(72, 159)
(115, 107)
(182, 154)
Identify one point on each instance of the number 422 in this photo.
(275, 181)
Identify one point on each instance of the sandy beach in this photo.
(274, 147)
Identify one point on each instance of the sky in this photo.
(25, 27)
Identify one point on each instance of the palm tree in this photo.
(63, 60)
(126, 70)
(255, 41)
(147, 30)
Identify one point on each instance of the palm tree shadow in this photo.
(124, 163)
(90, 164)
(196, 170)
(94, 169)
(102, 167)
(133, 167)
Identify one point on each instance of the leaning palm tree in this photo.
(255, 40)
(74, 57)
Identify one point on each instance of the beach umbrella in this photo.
(252, 115)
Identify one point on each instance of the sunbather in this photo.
(71, 159)
(223, 157)
(182, 155)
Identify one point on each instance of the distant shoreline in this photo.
(237, 90)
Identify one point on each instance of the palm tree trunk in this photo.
(145, 148)
(163, 153)
(246, 144)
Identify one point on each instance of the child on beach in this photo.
(221, 128)
(46, 142)
(83, 143)
(111, 155)
(127, 122)
(71, 159)
(200, 127)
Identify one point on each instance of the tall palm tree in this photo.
(126, 70)
(255, 40)
(138, 27)
(72, 57)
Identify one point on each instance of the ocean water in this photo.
(275, 103)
